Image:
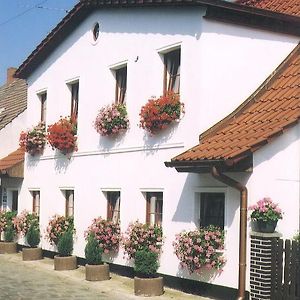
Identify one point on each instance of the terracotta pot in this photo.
(32, 254)
(148, 286)
(62, 263)
(8, 247)
(97, 272)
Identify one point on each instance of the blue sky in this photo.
(23, 25)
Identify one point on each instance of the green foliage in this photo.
(146, 263)
(297, 237)
(33, 235)
(65, 243)
(9, 233)
(93, 252)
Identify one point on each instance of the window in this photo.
(36, 202)
(69, 211)
(212, 206)
(74, 100)
(113, 206)
(121, 85)
(96, 31)
(154, 207)
(172, 71)
(43, 99)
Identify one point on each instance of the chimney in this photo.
(10, 75)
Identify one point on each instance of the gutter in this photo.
(243, 227)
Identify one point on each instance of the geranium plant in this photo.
(24, 220)
(158, 113)
(111, 119)
(33, 141)
(107, 233)
(6, 222)
(200, 248)
(265, 210)
(62, 135)
(57, 227)
(140, 236)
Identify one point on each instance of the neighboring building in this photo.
(13, 99)
(101, 53)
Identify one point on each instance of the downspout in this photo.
(243, 227)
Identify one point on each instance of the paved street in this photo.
(37, 280)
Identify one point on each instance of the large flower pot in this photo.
(8, 247)
(97, 272)
(148, 286)
(266, 226)
(32, 254)
(62, 263)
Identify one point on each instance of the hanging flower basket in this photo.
(62, 135)
(157, 114)
(33, 141)
(111, 119)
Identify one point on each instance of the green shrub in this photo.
(93, 253)
(65, 244)
(33, 235)
(297, 237)
(146, 263)
(9, 233)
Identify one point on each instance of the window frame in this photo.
(43, 99)
(36, 208)
(158, 214)
(112, 207)
(121, 84)
(69, 199)
(74, 89)
(167, 77)
(198, 204)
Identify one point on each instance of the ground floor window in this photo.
(154, 207)
(113, 206)
(212, 208)
(69, 208)
(36, 202)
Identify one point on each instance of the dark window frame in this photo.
(43, 99)
(74, 87)
(172, 63)
(121, 85)
(158, 208)
(113, 205)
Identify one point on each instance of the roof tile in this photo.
(267, 113)
(12, 159)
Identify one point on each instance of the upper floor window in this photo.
(154, 207)
(212, 208)
(96, 31)
(74, 100)
(121, 85)
(43, 99)
(172, 71)
(36, 202)
(113, 206)
(69, 208)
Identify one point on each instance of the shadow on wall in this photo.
(152, 141)
(106, 143)
(62, 161)
(32, 161)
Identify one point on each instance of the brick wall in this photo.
(260, 264)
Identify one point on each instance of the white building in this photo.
(220, 64)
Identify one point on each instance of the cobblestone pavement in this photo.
(32, 280)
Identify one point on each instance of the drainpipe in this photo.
(243, 227)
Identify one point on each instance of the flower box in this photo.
(157, 114)
(111, 119)
(33, 141)
(62, 135)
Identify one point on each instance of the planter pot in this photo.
(97, 272)
(62, 263)
(8, 247)
(32, 254)
(266, 227)
(148, 286)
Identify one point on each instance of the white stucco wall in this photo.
(221, 65)
(9, 135)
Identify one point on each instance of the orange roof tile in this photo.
(273, 108)
(11, 159)
(289, 7)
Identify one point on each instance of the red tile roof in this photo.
(273, 108)
(258, 18)
(11, 159)
(290, 7)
